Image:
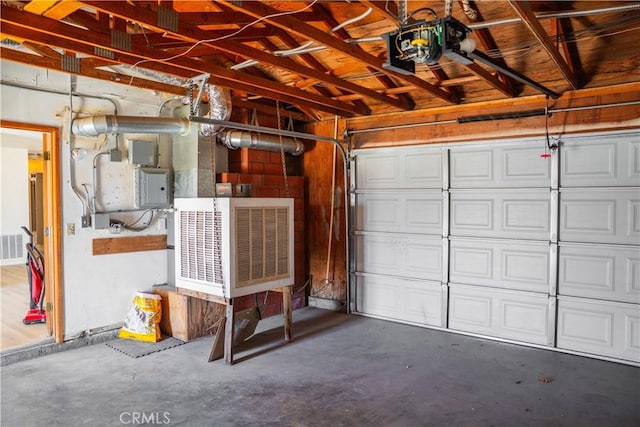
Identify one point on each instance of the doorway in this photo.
(40, 147)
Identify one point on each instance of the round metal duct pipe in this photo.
(97, 125)
(235, 139)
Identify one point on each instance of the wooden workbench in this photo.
(223, 341)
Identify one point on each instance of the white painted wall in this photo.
(97, 290)
(14, 195)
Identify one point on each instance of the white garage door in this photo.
(491, 239)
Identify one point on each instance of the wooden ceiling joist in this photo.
(62, 9)
(341, 33)
(193, 34)
(523, 9)
(485, 75)
(292, 24)
(46, 31)
(488, 44)
(267, 109)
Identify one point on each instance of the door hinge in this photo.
(46, 155)
(49, 307)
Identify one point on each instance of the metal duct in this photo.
(219, 109)
(93, 126)
(236, 139)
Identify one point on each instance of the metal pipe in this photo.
(481, 57)
(263, 129)
(96, 125)
(550, 15)
(236, 139)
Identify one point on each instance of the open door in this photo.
(51, 224)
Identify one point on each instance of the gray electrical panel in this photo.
(151, 188)
(142, 153)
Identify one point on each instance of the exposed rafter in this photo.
(341, 71)
(488, 44)
(45, 31)
(189, 32)
(523, 9)
(301, 28)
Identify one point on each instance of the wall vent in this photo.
(11, 246)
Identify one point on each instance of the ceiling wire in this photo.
(226, 36)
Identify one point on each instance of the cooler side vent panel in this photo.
(197, 251)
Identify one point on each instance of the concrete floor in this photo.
(341, 371)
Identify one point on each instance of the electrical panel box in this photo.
(151, 188)
(142, 153)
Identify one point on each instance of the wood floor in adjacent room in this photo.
(14, 302)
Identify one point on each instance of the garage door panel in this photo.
(603, 272)
(498, 167)
(503, 264)
(599, 327)
(501, 213)
(400, 299)
(419, 167)
(609, 162)
(408, 212)
(521, 316)
(397, 255)
(378, 171)
(378, 296)
(600, 216)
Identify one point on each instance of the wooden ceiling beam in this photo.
(267, 109)
(47, 31)
(523, 9)
(292, 24)
(561, 29)
(230, 17)
(385, 7)
(191, 33)
(485, 75)
(489, 44)
(312, 61)
(386, 81)
(42, 50)
(62, 9)
(39, 6)
(87, 69)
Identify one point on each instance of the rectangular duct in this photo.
(193, 161)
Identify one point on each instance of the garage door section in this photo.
(599, 256)
(493, 240)
(502, 220)
(400, 250)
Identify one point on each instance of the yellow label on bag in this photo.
(143, 318)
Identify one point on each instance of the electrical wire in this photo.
(130, 227)
(422, 9)
(226, 36)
